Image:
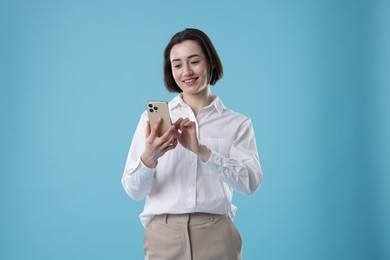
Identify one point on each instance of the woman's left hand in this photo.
(188, 139)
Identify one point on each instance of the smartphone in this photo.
(158, 109)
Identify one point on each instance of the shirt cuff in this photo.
(145, 169)
(215, 161)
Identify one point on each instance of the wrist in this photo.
(204, 153)
(148, 162)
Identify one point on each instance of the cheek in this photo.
(206, 74)
(176, 76)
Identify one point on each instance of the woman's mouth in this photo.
(190, 82)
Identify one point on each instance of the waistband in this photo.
(193, 218)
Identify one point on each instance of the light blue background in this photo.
(75, 76)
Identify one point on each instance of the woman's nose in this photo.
(187, 71)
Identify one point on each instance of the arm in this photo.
(142, 159)
(241, 170)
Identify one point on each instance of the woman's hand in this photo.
(188, 139)
(155, 146)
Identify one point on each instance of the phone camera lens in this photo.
(156, 108)
(151, 110)
(150, 105)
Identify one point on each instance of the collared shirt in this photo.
(181, 182)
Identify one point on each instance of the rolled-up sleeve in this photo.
(137, 179)
(241, 169)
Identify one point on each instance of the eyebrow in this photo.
(189, 57)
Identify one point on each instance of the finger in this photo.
(182, 123)
(171, 141)
(158, 123)
(169, 137)
(155, 128)
(160, 142)
(178, 134)
(147, 133)
(178, 122)
(188, 123)
(171, 132)
(171, 146)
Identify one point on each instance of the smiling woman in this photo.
(190, 70)
(188, 175)
(203, 49)
(312, 75)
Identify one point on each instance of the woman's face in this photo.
(190, 68)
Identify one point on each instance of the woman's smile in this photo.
(190, 68)
(190, 82)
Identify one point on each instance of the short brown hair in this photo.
(215, 65)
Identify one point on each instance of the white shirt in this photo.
(181, 183)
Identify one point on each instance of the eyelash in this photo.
(192, 62)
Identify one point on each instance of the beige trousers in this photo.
(196, 236)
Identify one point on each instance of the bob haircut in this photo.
(215, 65)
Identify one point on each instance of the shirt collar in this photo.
(178, 101)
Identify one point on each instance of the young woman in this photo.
(188, 174)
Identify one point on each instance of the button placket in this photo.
(193, 167)
(192, 182)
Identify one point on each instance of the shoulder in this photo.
(232, 115)
(242, 122)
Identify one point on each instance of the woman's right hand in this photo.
(155, 146)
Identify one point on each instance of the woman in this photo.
(188, 175)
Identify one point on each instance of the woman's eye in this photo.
(194, 62)
(177, 66)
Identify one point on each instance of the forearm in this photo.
(138, 181)
(203, 153)
(149, 161)
(243, 176)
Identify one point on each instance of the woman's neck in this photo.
(198, 101)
